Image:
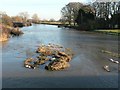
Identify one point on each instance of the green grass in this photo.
(54, 23)
(110, 31)
(114, 31)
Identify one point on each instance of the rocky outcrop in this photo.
(56, 56)
(29, 63)
(42, 60)
(57, 64)
(60, 62)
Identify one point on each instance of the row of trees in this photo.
(93, 16)
(70, 12)
(107, 14)
(21, 17)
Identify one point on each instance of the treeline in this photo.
(98, 15)
(22, 17)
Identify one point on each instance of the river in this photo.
(86, 70)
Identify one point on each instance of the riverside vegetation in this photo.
(9, 25)
(7, 32)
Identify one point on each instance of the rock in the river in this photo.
(57, 57)
(29, 63)
(44, 50)
(57, 65)
(42, 59)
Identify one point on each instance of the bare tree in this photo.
(16, 19)
(106, 10)
(5, 19)
(24, 15)
(65, 15)
(70, 12)
(1, 15)
(35, 18)
(52, 20)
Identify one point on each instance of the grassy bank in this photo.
(110, 31)
(51, 23)
(104, 31)
(113, 31)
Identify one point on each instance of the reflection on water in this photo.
(87, 62)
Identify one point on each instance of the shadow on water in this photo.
(62, 82)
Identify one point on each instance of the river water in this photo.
(86, 70)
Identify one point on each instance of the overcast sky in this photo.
(46, 9)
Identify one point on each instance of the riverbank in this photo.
(103, 31)
(109, 31)
(51, 23)
(3, 37)
(7, 31)
(4, 33)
